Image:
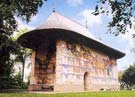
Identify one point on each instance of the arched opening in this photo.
(86, 81)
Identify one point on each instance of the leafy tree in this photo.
(122, 13)
(122, 84)
(129, 77)
(20, 8)
(22, 54)
(7, 46)
(17, 80)
(8, 10)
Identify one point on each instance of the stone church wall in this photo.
(64, 66)
(44, 69)
(74, 60)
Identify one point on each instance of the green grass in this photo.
(84, 94)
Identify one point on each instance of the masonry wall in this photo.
(64, 66)
(73, 61)
(43, 69)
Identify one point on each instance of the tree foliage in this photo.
(9, 9)
(7, 48)
(20, 8)
(122, 13)
(128, 77)
(22, 54)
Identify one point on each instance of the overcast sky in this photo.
(80, 11)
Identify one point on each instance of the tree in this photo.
(129, 77)
(20, 8)
(122, 13)
(8, 24)
(7, 46)
(17, 80)
(122, 84)
(22, 54)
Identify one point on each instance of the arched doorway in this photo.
(86, 81)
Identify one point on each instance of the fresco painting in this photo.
(76, 60)
(45, 64)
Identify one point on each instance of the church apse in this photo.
(44, 70)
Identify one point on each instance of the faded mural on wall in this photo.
(63, 63)
(78, 59)
(45, 64)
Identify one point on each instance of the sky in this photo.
(80, 11)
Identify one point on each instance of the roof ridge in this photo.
(71, 20)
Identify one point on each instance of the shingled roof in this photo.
(58, 26)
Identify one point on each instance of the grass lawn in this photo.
(84, 94)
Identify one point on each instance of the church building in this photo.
(67, 57)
